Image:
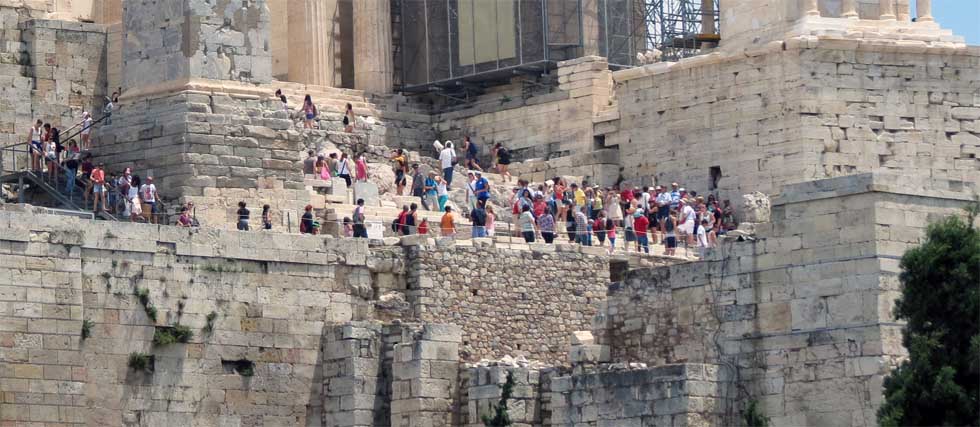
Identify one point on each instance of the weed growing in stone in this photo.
(87, 328)
(141, 362)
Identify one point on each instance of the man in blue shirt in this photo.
(675, 196)
(482, 187)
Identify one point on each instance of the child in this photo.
(348, 227)
(703, 239)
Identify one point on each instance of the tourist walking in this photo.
(309, 164)
(98, 188)
(401, 168)
(478, 219)
(491, 222)
(640, 226)
(306, 223)
(86, 130)
(471, 150)
(36, 147)
(242, 214)
(309, 112)
(448, 223)
(343, 169)
(349, 118)
(361, 169)
(503, 161)
(359, 229)
(442, 191)
(447, 157)
(546, 223)
(526, 222)
(431, 198)
(418, 185)
(266, 218)
(148, 192)
(71, 168)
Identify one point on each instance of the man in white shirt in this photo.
(689, 217)
(148, 192)
(446, 158)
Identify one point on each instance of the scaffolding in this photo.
(459, 47)
(677, 28)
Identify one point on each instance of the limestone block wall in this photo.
(425, 376)
(484, 386)
(738, 113)
(546, 125)
(799, 110)
(171, 40)
(214, 150)
(49, 70)
(269, 308)
(907, 111)
(805, 312)
(681, 394)
(508, 301)
(356, 390)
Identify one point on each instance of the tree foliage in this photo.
(500, 416)
(939, 384)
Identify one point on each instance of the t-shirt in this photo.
(675, 199)
(359, 215)
(663, 199)
(527, 221)
(702, 238)
(308, 165)
(478, 217)
(98, 176)
(688, 212)
(641, 224)
(446, 158)
(87, 126)
(547, 223)
(482, 184)
(431, 183)
(447, 224)
(579, 197)
(149, 193)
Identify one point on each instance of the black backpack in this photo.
(473, 149)
(503, 154)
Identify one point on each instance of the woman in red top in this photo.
(424, 227)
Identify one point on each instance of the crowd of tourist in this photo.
(588, 215)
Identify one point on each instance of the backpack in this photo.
(472, 149)
(504, 155)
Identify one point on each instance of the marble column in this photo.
(924, 10)
(311, 45)
(590, 27)
(811, 8)
(886, 10)
(373, 64)
(849, 9)
(708, 17)
(903, 11)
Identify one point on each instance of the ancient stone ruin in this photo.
(838, 129)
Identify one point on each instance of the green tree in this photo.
(939, 384)
(500, 416)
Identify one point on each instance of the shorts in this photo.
(310, 116)
(36, 146)
(671, 242)
(687, 227)
(663, 212)
(400, 178)
(98, 188)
